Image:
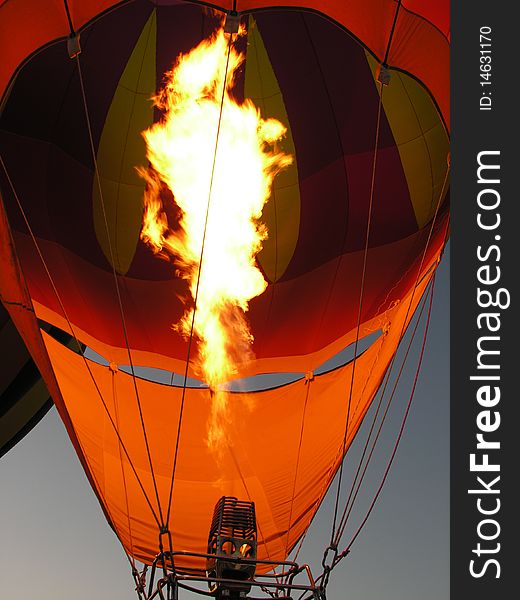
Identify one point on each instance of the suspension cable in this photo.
(302, 427)
(346, 513)
(73, 333)
(392, 30)
(116, 412)
(365, 448)
(403, 423)
(116, 282)
(339, 557)
(360, 308)
(419, 270)
(300, 544)
(423, 257)
(190, 339)
(417, 279)
(325, 575)
(363, 276)
(69, 18)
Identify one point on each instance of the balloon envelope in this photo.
(283, 445)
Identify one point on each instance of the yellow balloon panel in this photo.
(121, 150)
(420, 137)
(281, 215)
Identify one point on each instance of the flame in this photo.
(219, 159)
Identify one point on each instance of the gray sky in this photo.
(56, 545)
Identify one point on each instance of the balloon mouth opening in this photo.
(258, 382)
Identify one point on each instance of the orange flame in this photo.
(218, 158)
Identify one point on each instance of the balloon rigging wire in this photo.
(390, 37)
(344, 515)
(190, 339)
(376, 143)
(345, 174)
(347, 549)
(369, 218)
(274, 279)
(389, 43)
(116, 283)
(309, 382)
(338, 558)
(360, 308)
(116, 412)
(86, 362)
(69, 18)
(332, 542)
(342, 525)
(365, 448)
(397, 442)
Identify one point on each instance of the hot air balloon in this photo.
(354, 225)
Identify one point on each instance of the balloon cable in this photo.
(73, 333)
(403, 423)
(434, 219)
(348, 509)
(339, 557)
(360, 309)
(116, 413)
(360, 304)
(118, 291)
(190, 339)
(302, 427)
(326, 573)
(69, 18)
(396, 14)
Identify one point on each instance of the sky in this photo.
(55, 544)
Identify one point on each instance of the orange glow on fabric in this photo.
(219, 159)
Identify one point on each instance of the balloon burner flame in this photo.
(218, 157)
